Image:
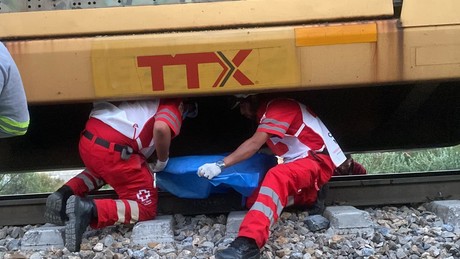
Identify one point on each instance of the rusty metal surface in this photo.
(394, 189)
(190, 16)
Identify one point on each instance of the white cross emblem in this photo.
(143, 195)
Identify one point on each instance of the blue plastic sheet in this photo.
(180, 178)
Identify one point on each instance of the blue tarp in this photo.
(180, 178)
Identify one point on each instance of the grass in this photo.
(447, 158)
(376, 163)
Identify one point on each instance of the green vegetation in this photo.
(375, 163)
(22, 183)
(411, 161)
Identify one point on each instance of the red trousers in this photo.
(294, 183)
(131, 180)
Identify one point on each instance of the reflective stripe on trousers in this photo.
(130, 179)
(282, 185)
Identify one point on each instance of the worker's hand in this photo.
(158, 166)
(209, 170)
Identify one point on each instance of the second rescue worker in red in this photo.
(310, 156)
(114, 147)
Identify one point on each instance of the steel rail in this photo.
(359, 191)
(393, 189)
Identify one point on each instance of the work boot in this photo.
(80, 212)
(240, 248)
(319, 206)
(55, 206)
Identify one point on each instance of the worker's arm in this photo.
(162, 140)
(14, 113)
(247, 149)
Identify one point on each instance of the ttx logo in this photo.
(191, 62)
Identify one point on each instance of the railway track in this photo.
(359, 191)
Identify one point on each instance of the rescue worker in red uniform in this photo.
(310, 155)
(114, 147)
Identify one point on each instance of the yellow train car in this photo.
(382, 74)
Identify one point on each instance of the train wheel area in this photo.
(363, 119)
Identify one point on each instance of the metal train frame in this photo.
(383, 75)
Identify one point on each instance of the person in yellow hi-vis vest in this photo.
(14, 113)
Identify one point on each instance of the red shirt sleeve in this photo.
(278, 117)
(169, 111)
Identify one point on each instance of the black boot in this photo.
(80, 212)
(319, 206)
(240, 248)
(55, 206)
